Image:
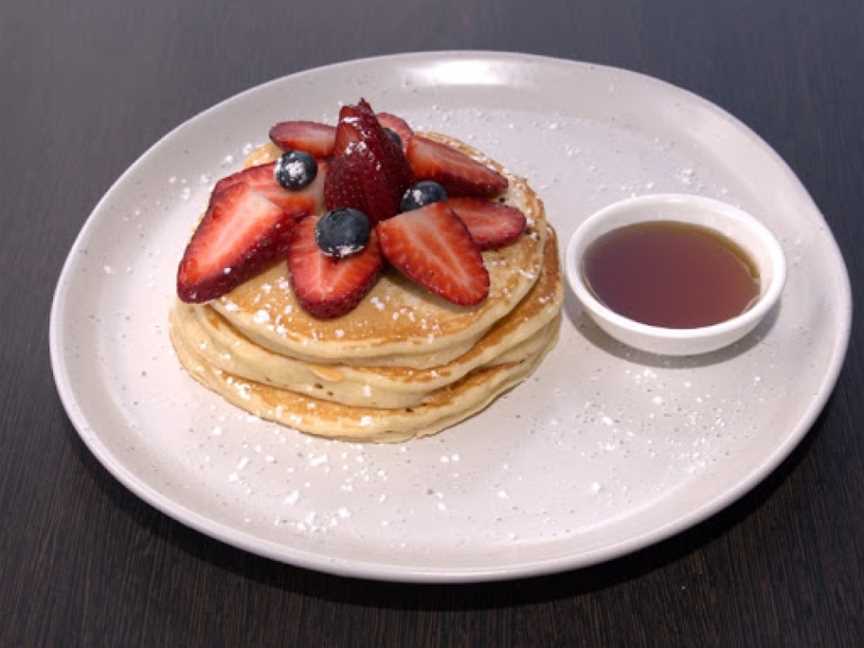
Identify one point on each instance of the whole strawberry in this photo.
(368, 171)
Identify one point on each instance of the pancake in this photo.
(444, 407)
(403, 364)
(517, 336)
(399, 323)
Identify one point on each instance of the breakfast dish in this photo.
(602, 451)
(365, 282)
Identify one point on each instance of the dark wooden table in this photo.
(87, 86)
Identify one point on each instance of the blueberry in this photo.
(421, 194)
(393, 135)
(342, 232)
(295, 170)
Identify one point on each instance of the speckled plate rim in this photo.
(384, 571)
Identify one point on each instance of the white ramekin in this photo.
(753, 237)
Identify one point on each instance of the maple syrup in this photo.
(671, 274)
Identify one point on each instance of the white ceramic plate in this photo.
(603, 451)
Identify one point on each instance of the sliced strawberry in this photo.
(262, 179)
(315, 138)
(247, 227)
(240, 235)
(459, 174)
(348, 128)
(368, 171)
(397, 125)
(319, 139)
(324, 286)
(432, 246)
(491, 224)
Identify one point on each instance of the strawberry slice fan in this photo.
(428, 212)
(368, 282)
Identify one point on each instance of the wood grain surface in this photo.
(86, 87)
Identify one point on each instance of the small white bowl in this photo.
(753, 237)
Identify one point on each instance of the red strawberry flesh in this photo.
(248, 226)
(459, 174)
(432, 247)
(241, 233)
(398, 126)
(262, 179)
(347, 130)
(491, 224)
(327, 287)
(313, 137)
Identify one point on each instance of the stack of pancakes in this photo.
(404, 363)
